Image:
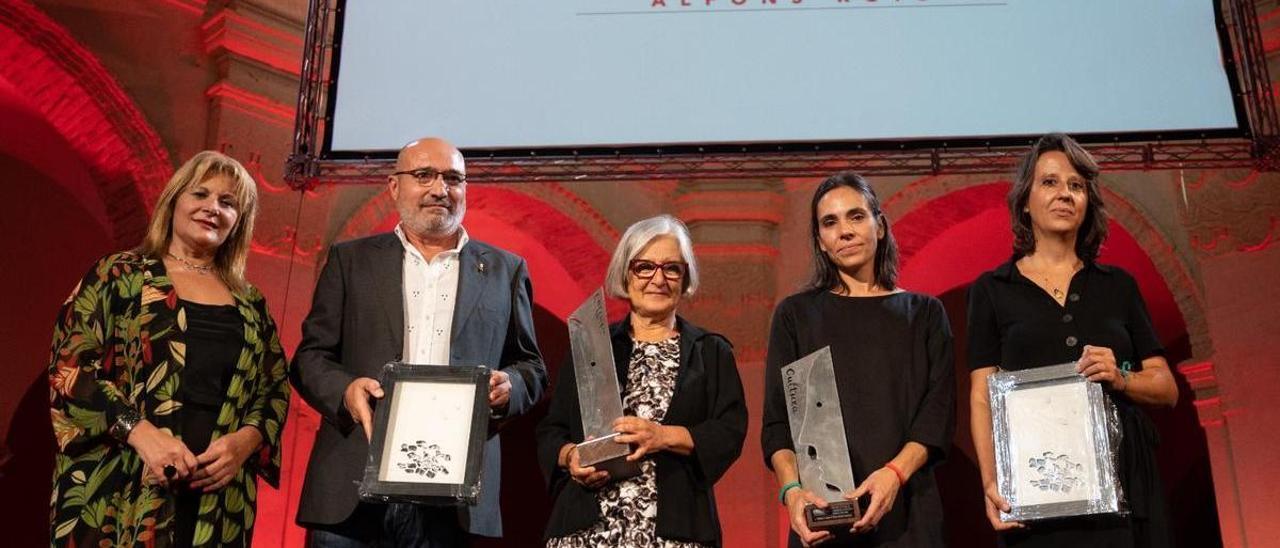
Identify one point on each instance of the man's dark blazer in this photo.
(356, 325)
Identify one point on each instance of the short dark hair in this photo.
(1093, 231)
(826, 276)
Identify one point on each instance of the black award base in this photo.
(836, 514)
(608, 455)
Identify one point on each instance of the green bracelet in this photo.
(782, 493)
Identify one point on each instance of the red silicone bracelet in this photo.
(902, 478)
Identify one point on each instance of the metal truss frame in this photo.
(1259, 149)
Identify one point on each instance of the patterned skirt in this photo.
(629, 508)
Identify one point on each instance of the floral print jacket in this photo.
(119, 343)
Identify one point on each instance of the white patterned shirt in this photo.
(430, 293)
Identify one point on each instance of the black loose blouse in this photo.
(895, 374)
(1014, 324)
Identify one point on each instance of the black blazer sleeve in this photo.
(521, 359)
(317, 372)
(574, 507)
(934, 421)
(717, 441)
(775, 430)
(561, 425)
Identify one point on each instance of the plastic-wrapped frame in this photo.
(1056, 438)
(428, 435)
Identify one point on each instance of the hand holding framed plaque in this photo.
(1056, 435)
(428, 435)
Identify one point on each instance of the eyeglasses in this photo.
(647, 269)
(426, 175)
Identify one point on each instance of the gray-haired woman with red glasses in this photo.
(686, 416)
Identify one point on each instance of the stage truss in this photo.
(1260, 150)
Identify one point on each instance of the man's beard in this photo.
(423, 223)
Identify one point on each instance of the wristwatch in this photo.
(125, 422)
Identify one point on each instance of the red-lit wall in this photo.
(98, 102)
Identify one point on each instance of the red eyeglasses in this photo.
(643, 269)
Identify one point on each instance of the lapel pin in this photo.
(480, 267)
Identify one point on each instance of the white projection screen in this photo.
(529, 74)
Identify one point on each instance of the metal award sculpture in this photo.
(817, 430)
(599, 397)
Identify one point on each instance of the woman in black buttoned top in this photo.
(1053, 303)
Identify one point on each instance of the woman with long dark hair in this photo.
(892, 352)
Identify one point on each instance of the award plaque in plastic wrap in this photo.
(1056, 438)
(428, 435)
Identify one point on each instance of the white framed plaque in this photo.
(1056, 437)
(428, 435)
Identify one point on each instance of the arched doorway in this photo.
(70, 89)
(81, 166)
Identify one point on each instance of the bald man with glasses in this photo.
(424, 293)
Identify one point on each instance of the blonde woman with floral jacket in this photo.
(167, 379)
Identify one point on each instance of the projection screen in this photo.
(529, 74)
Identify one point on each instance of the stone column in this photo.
(1234, 229)
(254, 49)
(735, 232)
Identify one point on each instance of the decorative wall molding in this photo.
(562, 198)
(1203, 379)
(734, 224)
(748, 205)
(249, 37)
(1232, 212)
(226, 95)
(193, 7)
